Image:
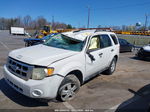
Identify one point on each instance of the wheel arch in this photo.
(116, 56)
(78, 74)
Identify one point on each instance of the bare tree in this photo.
(27, 20)
(29, 23)
(41, 21)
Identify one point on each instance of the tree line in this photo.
(31, 24)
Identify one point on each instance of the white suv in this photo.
(57, 68)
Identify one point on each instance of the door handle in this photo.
(112, 50)
(100, 54)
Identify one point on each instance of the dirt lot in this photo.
(103, 93)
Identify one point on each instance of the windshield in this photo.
(65, 42)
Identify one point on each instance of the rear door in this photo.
(107, 49)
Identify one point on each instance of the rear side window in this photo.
(105, 41)
(114, 38)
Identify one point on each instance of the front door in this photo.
(92, 66)
(100, 48)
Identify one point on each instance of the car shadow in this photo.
(140, 102)
(17, 97)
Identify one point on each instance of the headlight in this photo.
(41, 73)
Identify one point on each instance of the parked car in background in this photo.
(125, 46)
(35, 41)
(144, 52)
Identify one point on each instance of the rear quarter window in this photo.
(114, 38)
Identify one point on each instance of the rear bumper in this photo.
(46, 88)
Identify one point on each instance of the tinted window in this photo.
(114, 39)
(105, 41)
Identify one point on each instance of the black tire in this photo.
(68, 88)
(111, 68)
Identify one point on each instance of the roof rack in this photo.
(96, 29)
(104, 29)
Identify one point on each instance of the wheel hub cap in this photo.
(68, 91)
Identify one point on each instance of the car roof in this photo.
(81, 35)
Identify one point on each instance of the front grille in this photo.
(19, 69)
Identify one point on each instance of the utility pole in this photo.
(88, 23)
(146, 18)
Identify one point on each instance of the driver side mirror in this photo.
(90, 55)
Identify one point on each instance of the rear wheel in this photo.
(69, 87)
(111, 68)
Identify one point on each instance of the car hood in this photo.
(147, 48)
(41, 55)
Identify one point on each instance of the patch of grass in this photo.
(136, 39)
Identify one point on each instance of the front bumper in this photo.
(143, 53)
(46, 88)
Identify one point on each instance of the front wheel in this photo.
(111, 68)
(68, 88)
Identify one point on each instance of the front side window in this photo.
(99, 42)
(94, 43)
(65, 42)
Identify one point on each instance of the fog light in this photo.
(37, 93)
